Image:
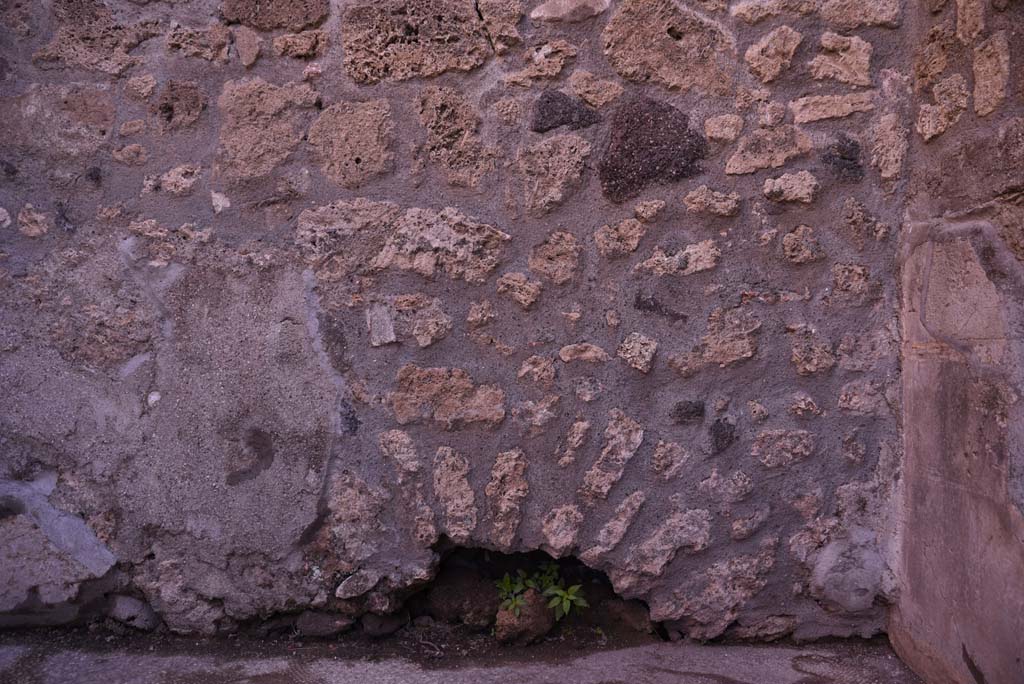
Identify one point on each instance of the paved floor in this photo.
(40, 660)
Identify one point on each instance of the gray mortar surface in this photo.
(143, 660)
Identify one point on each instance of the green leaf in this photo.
(554, 602)
(582, 602)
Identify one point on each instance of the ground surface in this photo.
(60, 658)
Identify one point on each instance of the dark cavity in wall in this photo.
(512, 598)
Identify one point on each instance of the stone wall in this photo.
(960, 612)
(295, 290)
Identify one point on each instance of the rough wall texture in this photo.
(960, 613)
(294, 289)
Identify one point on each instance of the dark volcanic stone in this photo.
(687, 410)
(265, 15)
(554, 108)
(649, 303)
(844, 157)
(649, 142)
(723, 435)
(377, 626)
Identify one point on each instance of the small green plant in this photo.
(547, 581)
(564, 600)
(514, 604)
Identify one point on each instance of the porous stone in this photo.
(267, 15)
(970, 20)
(709, 600)
(568, 10)
(448, 396)
(688, 530)
(543, 62)
(424, 241)
(619, 239)
(560, 527)
(768, 148)
(756, 11)
(140, 87)
(395, 40)
(400, 452)
(583, 351)
(131, 155)
(96, 42)
(452, 488)
(951, 99)
(594, 90)
(846, 59)
(180, 180)
(819, 107)
(780, 448)
(669, 460)
(351, 141)
(702, 256)
(539, 369)
(247, 44)
(33, 223)
(648, 210)
(500, 18)
(612, 532)
(305, 45)
(650, 142)
(727, 489)
(210, 43)
(622, 438)
(800, 246)
(505, 492)
(730, 338)
(724, 128)
(262, 124)
(554, 109)
(452, 138)
(179, 105)
(704, 200)
(638, 350)
(851, 14)
(768, 57)
(420, 317)
(520, 289)
(535, 416)
(557, 258)
(801, 186)
(811, 354)
(991, 73)
(862, 397)
(575, 438)
(889, 136)
(552, 170)
(662, 42)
